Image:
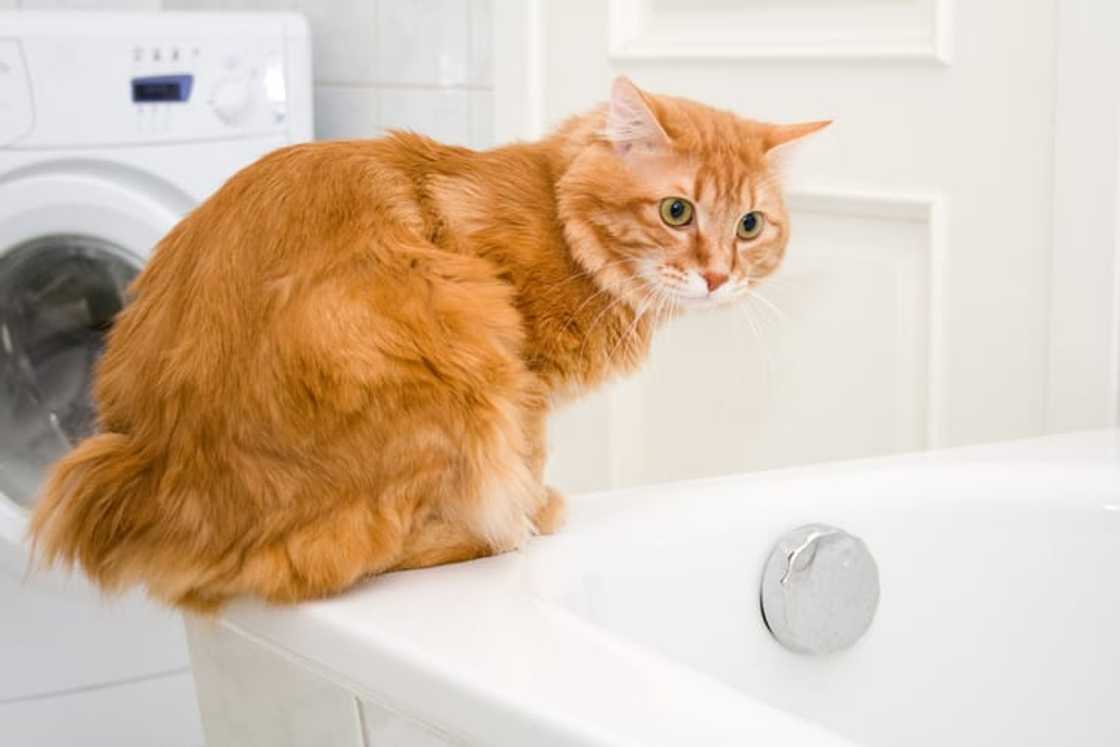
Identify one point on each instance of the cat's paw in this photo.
(550, 517)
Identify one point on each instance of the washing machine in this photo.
(112, 127)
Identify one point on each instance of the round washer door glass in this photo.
(58, 296)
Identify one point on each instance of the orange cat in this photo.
(341, 363)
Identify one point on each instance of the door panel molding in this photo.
(919, 31)
(927, 210)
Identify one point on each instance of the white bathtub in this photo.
(639, 624)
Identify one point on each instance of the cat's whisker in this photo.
(632, 329)
(572, 316)
(674, 306)
(573, 277)
(659, 309)
(575, 314)
(614, 263)
(664, 309)
(595, 321)
(582, 273)
(767, 360)
(753, 295)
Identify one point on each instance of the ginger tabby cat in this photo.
(342, 362)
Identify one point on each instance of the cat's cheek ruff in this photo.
(603, 266)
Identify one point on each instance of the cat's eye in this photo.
(676, 211)
(751, 225)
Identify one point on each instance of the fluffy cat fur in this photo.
(341, 363)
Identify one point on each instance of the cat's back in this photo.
(299, 207)
(303, 232)
(322, 186)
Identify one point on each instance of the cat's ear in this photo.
(631, 121)
(775, 135)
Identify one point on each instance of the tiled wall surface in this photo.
(79, 4)
(421, 65)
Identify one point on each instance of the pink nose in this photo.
(714, 280)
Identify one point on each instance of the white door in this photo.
(914, 310)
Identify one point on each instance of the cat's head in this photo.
(671, 199)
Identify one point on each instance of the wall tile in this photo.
(422, 42)
(482, 119)
(442, 115)
(343, 39)
(480, 67)
(343, 32)
(238, 5)
(89, 4)
(345, 112)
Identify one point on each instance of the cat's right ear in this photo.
(631, 121)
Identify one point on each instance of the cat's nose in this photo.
(714, 280)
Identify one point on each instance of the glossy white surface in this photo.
(639, 622)
(252, 697)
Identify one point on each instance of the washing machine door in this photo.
(58, 296)
(70, 244)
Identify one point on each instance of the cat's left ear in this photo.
(780, 134)
(631, 120)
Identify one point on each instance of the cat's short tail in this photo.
(110, 507)
(92, 507)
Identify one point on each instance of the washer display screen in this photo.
(58, 297)
(162, 88)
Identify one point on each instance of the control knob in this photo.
(232, 100)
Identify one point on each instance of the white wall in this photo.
(422, 65)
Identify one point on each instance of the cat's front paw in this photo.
(550, 517)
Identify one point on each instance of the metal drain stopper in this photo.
(820, 590)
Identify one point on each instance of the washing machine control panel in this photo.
(211, 85)
(116, 89)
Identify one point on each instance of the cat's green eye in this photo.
(676, 211)
(751, 225)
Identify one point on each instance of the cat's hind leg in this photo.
(314, 559)
(439, 541)
(410, 360)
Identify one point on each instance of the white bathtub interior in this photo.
(1000, 598)
(998, 611)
